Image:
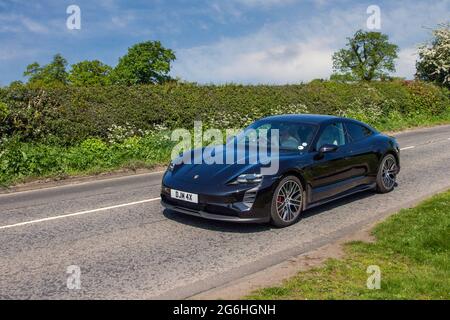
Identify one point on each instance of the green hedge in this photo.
(69, 115)
(67, 131)
(22, 160)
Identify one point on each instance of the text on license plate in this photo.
(185, 196)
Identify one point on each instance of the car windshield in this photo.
(292, 135)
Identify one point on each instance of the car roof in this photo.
(307, 118)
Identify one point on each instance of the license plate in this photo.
(184, 196)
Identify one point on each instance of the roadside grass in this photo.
(127, 166)
(412, 251)
(24, 162)
(396, 123)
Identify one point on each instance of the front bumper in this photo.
(211, 216)
(223, 203)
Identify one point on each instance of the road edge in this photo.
(43, 184)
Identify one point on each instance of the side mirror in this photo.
(327, 148)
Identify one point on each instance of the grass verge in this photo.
(24, 162)
(412, 251)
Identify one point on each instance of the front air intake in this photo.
(249, 198)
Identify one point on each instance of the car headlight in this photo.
(171, 166)
(249, 178)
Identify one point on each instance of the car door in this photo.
(363, 156)
(331, 171)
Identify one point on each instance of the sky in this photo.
(216, 41)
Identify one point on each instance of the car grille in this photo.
(195, 208)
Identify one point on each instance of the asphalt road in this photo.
(126, 246)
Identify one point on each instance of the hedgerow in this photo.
(20, 160)
(70, 130)
(69, 115)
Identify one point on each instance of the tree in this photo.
(90, 73)
(51, 74)
(434, 58)
(146, 62)
(34, 71)
(343, 77)
(368, 56)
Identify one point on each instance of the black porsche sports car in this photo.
(321, 158)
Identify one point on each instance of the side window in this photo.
(357, 132)
(332, 134)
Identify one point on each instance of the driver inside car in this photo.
(287, 141)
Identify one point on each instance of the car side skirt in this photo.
(360, 188)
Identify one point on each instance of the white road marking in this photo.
(77, 213)
(407, 148)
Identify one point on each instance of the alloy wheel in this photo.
(289, 200)
(389, 172)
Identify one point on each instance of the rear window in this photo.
(358, 132)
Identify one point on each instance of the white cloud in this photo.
(287, 52)
(263, 3)
(406, 63)
(407, 19)
(277, 53)
(11, 51)
(111, 5)
(233, 10)
(33, 26)
(229, 61)
(7, 54)
(13, 23)
(123, 20)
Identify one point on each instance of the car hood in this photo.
(216, 173)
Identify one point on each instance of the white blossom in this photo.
(436, 56)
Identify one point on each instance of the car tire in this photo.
(286, 208)
(387, 174)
